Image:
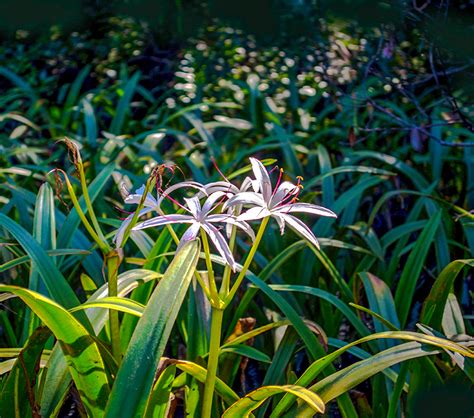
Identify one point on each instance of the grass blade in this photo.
(135, 377)
(413, 267)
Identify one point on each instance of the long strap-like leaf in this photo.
(135, 377)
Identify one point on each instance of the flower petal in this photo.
(254, 213)
(211, 200)
(300, 228)
(219, 186)
(121, 230)
(220, 243)
(283, 190)
(190, 184)
(134, 198)
(164, 220)
(229, 219)
(280, 221)
(246, 184)
(245, 198)
(261, 175)
(190, 234)
(194, 206)
(306, 208)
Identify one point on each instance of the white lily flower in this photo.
(277, 203)
(200, 217)
(150, 204)
(231, 189)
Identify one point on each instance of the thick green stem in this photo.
(213, 360)
(113, 262)
(248, 261)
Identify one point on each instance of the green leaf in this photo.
(380, 318)
(80, 349)
(269, 269)
(57, 378)
(326, 175)
(342, 381)
(243, 407)
(44, 232)
(17, 398)
(73, 95)
(381, 303)
(312, 344)
(112, 302)
(413, 267)
(199, 373)
(90, 122)
(453, 322)
(247, 351)
(413, 175)
(135, 377)
(124, 105)
(54, 281)
(333, 272)
(433, 307)
(158, 403)
(52, 253)
(252, 334)
(332, 299)
(313, 371)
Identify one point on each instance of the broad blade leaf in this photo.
(135, 377)
(80, 349)
(243, 407)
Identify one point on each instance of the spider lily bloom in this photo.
(200, 217)
(149, 205)
(230, 189)
(277, 203)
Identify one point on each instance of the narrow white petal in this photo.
(246, 184)
(280, 221)
(255, 186)
(184, 184)
(135, 198)
(164, 220)
(194, 206)
(220, 243)
(300, 228)
(245, 198)
(306, 208)
(230, 220)
(211, 200)
(282, 191)
(190, 234)
(254, 213)
(121, 230)
(220, 186)
(261, 175)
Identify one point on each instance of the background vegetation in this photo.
(370, 102)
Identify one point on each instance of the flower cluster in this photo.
(228, 205)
